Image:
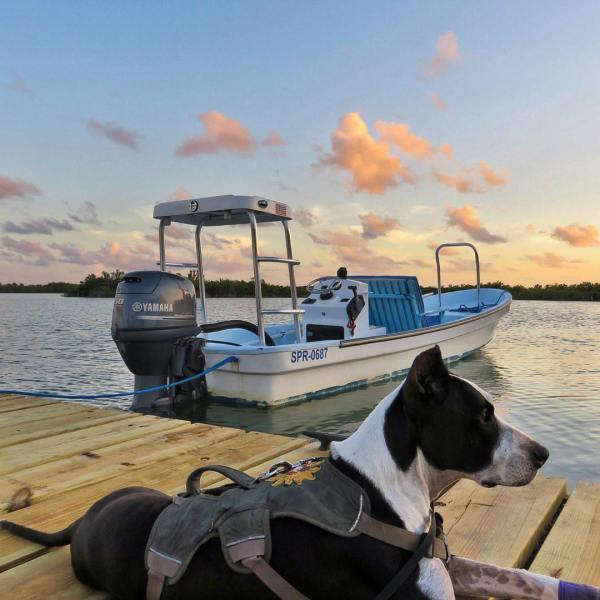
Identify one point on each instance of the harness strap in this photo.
(155, 584)
(401, 538)
(250, 553)
(272, 579)
(410, 565)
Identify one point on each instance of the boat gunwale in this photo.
(413, 332)
(253, 351)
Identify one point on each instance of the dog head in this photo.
(453, 423)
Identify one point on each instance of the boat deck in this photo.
(69, 455)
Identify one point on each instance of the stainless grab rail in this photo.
(439, 277)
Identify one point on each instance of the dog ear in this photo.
(428, 373)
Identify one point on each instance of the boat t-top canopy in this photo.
(232, 210)
(222, 210)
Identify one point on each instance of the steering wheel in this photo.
(335, 283)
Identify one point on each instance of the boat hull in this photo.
(281, 375)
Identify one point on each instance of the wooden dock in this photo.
(69, 455)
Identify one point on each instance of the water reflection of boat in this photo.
(349, 329)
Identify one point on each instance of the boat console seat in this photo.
(395, 302)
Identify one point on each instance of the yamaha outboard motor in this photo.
(152, 310)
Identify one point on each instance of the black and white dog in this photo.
(432, 430)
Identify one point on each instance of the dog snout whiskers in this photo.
(540, 454)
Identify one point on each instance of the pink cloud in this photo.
(17, 84)
(446, 53)
(580, 236)
(492, 178)
(44, 226)
(351, 239)
(86, 214)
(373, 168)
(180, 194)
(375, 226)
(462, 183)
(465, 218)
(221, 134)
(472, 180)
(400, 135)
(25, 251)
(448, 250)
(273, 140)
(437, 101)
(16, 188)
(305, 217)
(551, 260)
(116, 133)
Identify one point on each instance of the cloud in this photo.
(446, 53)
(305, 217)
(221, 134)
(273, 140)
(351, 239)
(375, 226)
(437, 101)
(116, 133)
(16, 83)
(111, 255)
(419, 262)
(38, 226)
(551, 260)
(421, 209)
(400, 135)
(465, 218)
(491, 178)
(16, 188)
(448, 250)
(580, 236)
(373, 168)
(180, 194)
(86, 214)
(472, 180)
(349, 248)
(220, 242)
(172, 232)
(462, 182)
(25, 251)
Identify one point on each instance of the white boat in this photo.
(349, 330)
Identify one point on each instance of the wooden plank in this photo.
(67, 421)
(500, 525)
(9, 403)
(68, 473)
(169, 475)
(37, 452)
(572, 549)
(18, 417)
(49, 576)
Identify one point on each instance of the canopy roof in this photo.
(222, 210)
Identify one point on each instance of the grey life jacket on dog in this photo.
(313, 490)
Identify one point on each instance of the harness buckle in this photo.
(285, 467)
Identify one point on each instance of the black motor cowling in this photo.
(152, 310)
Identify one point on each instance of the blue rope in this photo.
(118, 394)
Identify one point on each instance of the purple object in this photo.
(577, 591)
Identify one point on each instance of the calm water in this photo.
(543, 368)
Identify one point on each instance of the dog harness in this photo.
(312, 490)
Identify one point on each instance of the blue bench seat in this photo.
(395, 302)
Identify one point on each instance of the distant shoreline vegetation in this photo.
(105, 285)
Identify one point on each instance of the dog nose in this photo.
(540, 454)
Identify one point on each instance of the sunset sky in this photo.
(389, 127)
